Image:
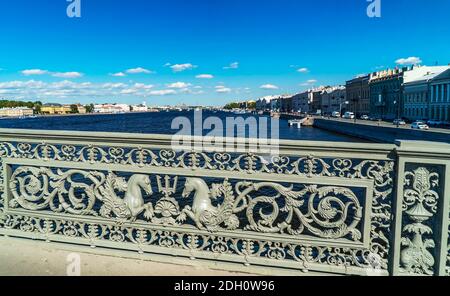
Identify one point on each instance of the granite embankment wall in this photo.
(381, 134)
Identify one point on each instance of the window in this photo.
(433, 93)
(444, 99)
(439, 93)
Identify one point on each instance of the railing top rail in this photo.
(420, 148)
(166, 140)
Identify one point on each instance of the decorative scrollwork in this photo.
(327, 212)
(310, 166)
(319, 211)
(39, 188)
(419, 204)
(327, 216)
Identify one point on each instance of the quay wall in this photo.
(380, 134)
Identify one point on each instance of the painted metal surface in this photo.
(346, 208)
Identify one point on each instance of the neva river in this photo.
(155, 123)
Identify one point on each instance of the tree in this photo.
(231, 106)
(15, 104)
(37, 109)
(74, 109)
(90, 108)
(251, 105)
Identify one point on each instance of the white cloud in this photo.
(31, 72)
(114, 85)
(65, 84)
(32, 90)
(137, 88)
(222, 89)
(409, 61)
(268, 86)
(178, 85)
(34, 72)
(303, 70)
(309, 82)
(138, 70)
(182, 67)
(31, 84)
(67, 74)
(143, 86)
(164, 92)
(70, 91)
(119, 74)
(128, 91)
(204, 76)
(234, 65)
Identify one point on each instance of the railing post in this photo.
(420, 235)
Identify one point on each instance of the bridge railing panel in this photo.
(314, 207)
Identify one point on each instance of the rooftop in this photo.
(424, 74)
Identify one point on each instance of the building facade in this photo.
(275, 105)
(333, 99)
(55, 109)
(358, 95)
(140, 108)
(81, 109)
(426, 93)
(16, 112)
(385, 93)
(418, 91)
(416, 100)
(316, 99)
(264, 103)
(112, 108)
(440, 97)
(301, 102)
(286, 104)
(309, 101)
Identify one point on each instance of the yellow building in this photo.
(16, 112)
(55, 109)
(62, 109)
(81, 109)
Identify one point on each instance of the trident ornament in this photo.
(167, 189)
(167, 208)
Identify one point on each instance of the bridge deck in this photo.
(20, 257)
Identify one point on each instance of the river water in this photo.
(159, 123)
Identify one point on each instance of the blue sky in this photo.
(206, 51)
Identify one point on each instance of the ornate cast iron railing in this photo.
(323, 207)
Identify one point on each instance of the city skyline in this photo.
(206, 53)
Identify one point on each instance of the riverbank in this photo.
(161, 123)
(381, 133)
(72, 115)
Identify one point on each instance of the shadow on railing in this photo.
(345, 208)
